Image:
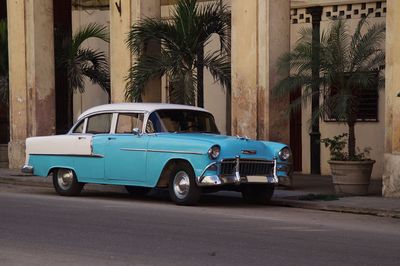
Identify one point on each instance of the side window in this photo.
(153, 124)
(79, 128)
(127, 122)
(98, 124)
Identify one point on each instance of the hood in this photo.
(230, 146)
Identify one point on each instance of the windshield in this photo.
(181, 121)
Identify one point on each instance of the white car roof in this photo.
(146, 107)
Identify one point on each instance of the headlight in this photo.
(214, 151)
(285, 154)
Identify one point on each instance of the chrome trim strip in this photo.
(172, 151)
(129, 149)
(27, 169)
(165, 151)
(74, 155)
(275, 175)
(237, 167)
(201, 177)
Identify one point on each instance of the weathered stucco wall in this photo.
(260, 34)
(31, 64)
(391, 175)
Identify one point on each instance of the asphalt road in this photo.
(38, 227)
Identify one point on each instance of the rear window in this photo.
(127, 122)
(99, 124)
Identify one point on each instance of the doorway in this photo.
(4, 101)
(62, 35)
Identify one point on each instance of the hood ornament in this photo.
(242, 137)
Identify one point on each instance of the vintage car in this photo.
(147, 145)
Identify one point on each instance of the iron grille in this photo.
(247, 167)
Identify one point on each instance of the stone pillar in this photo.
(260, 34)
(31, 59)
(391, 175)
(120, 58)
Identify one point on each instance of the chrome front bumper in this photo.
(27, 169)
(235, 178)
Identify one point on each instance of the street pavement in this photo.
(305, 187)
(107, 227)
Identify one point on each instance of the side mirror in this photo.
(136, 131)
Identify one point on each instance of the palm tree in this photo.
(349, 64)
(80, 63)
(3, 64)
(182, 57)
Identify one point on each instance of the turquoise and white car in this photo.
(144, 145)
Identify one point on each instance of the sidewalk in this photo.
(317, 192)
(309, 192)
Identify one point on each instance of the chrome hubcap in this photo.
(65, 178)
(181, 184)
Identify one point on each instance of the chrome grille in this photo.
(247, 167)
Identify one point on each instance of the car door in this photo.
(94, 131)
(126, 150)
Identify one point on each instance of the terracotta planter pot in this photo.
(351, 177)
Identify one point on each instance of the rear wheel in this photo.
(137, 191)
(258, 193)
(65, 182)
(182, 185)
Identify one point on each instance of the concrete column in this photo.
(31, 59)
(17, 75)
(260, 34)
(391, 176)
(120, 57)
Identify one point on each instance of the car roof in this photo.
(146, 107)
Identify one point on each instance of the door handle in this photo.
(111, 138)
(81, 137)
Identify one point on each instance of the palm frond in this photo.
(215, 18)
(96, 68)
(367, 45)
(142, 71)
(91, 30)
(149, 29)
(219, 67)
(81, 63)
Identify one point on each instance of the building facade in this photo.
(262, 30)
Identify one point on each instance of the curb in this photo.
(322, 206)
(33, 183)
(311, 205)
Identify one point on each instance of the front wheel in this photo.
(258, 193)
(65, 182)
(182, 185)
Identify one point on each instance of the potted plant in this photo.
(349, 65)
(350, 175)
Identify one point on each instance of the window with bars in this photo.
(367, 102)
